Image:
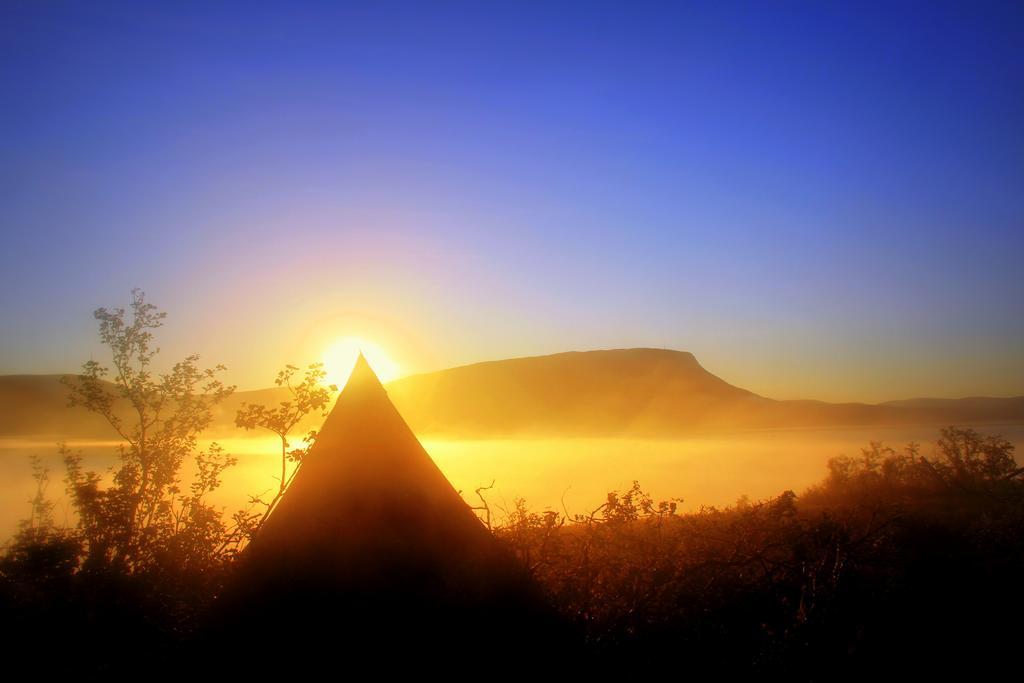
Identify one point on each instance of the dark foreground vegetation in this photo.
(898, 562)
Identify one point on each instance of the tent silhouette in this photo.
(372, 549)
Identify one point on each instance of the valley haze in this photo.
(620, 393)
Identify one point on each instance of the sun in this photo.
(340, 358)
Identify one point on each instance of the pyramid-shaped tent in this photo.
(371, 547)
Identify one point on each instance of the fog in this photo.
(561, 474)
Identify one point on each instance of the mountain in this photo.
(637, 392)
(973, 408)
(37, 405)
(591, 392)
(621, 392)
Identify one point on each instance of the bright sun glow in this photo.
(340, 358)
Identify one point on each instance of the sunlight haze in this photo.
(341, 356)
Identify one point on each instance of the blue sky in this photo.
(818, 202)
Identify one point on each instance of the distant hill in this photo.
(37, 405)
(973, 408)
(623, 392)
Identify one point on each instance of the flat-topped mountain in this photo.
(589, 392)
(638, 392)
(621, 392)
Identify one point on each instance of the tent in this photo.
(371, 551)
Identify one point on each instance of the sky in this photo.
(819, 200)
